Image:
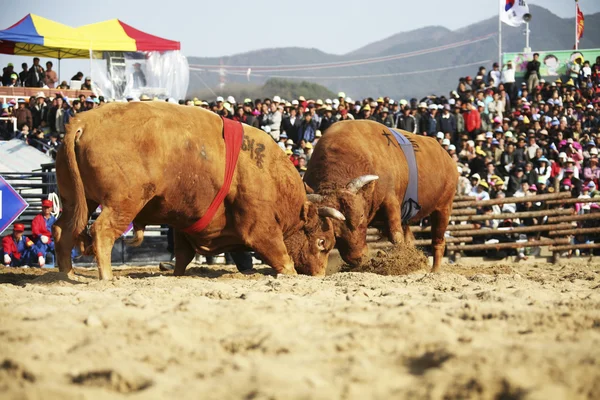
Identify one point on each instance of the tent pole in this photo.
(59, 65)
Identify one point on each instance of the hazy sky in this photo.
(222, 28)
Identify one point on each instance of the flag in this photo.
(514, 11)
(580, 23)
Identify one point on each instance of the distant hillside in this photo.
(404, 76)
(283, 88)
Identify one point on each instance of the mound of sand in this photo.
(401, 259)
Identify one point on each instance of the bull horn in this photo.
(331, 213)
(314, 198)
(356, 184)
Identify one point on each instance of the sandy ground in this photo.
(503, 331)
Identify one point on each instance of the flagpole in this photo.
(500, 33)
(576, 16)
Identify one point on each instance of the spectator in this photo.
(41, 232)
(139, 79)
(39, 110)
(87, 84)
(35, 76)
(307, 129)
(51, 77)
(7, 75)
(17, 249)
(23, 74)
(78, 76)
(23, 115)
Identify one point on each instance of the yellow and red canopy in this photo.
(37, 36)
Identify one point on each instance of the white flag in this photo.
(513, 12)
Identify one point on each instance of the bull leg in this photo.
(107, 228)
(184, 252)
(439, 223)
(409, 237)
(273, 251)
(394, 220)
(63, 242)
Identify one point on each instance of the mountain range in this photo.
(408, 67)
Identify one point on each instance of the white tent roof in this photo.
(18, 156)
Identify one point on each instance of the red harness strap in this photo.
(233, 134)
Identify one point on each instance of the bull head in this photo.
(357, 183)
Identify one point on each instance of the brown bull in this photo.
(358, 168)
(158, 163)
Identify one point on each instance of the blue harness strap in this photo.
(410, 203)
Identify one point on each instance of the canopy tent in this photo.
(37, 36)
(115, 35)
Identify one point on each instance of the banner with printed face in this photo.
(553, 64)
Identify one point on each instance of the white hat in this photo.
(594, 151)
(391, 102)
(328, 101)
(336, 102)
(341, 94)
(432, 107)
(231, 100)
(41, 94)
(295, 102)
(480, 104)
(220, 99)
(440, 135)
(277, 99)
(266, 128)
(452, 147)
(452, 102)
(440, 107)
(349, 100)
(422, 105)
(562, 154)
(289, 141)
(446, 142)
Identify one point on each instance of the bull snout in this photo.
(356, 259)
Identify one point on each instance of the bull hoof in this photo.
(288, 271)
(166, 266)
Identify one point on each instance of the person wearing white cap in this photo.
(273, 120)
(445, 143)
(276, 99)
(220, 99)
(231, 100)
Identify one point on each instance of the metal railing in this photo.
(13, 119)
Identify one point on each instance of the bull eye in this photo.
(321, 244)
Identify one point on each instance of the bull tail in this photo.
(138, 236)
(79, 220)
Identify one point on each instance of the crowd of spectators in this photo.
(507, 138)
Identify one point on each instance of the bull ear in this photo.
(304, 211)
(357, 184)
(308, 189)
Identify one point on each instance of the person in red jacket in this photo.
(18, 250)
(41, 231)
(473, 121)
